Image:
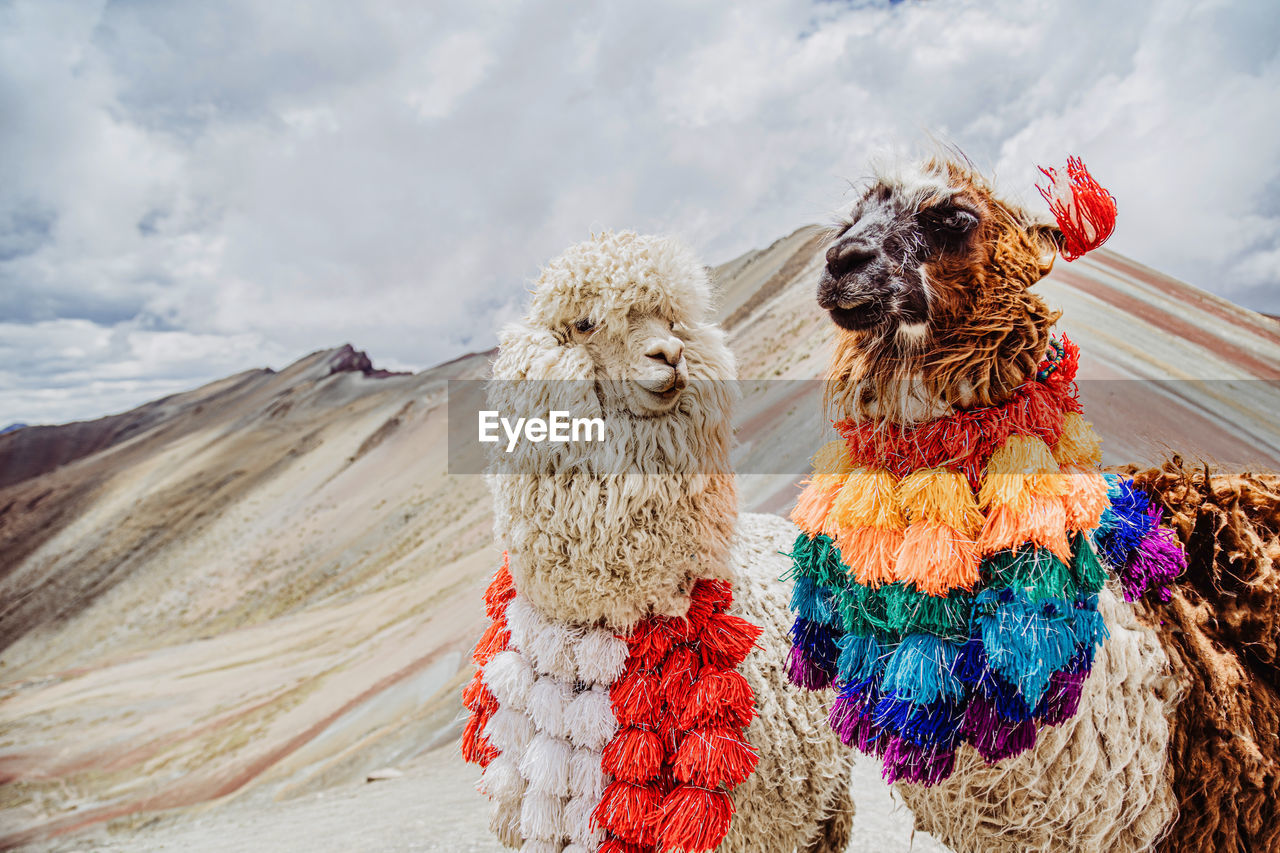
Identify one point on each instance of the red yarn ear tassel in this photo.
(1085, 211)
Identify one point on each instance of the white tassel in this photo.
(548, 700)
(545, 765)
(502, 780)
(523, 621)
(509, 678)
(542, 817)
(577, 823)
(539, 846)
(504, 821)
(589, 719)
(551, 651)
(586, 778)
(509, 731)
(601, 657)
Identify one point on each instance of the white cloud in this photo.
(271, 179)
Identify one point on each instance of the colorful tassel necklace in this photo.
(617, 743)
(947, 573)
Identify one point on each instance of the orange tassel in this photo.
(937, 559)
(815, 502)
(476, 748)
(713, 757)
(871, 553)
(501, 590)
(495, 639)
(634, 755)
(1086, 498)
(1044, 524)
(694, 820)
(727, 640)
(475, 693)
(630, 811)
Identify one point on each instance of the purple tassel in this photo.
(1158, 560)
(993, 737)
(906, 762)
(1061, 701)
(804, 672)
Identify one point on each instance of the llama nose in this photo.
(847, 257)
(667, 350)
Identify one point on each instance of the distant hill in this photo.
(269, 585)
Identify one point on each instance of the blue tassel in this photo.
(1088, 628)
(861, 658)
(922, 670)
(1025, 641)
(817, 642)
(814, 603)
(934, 725)
(1125, 522)
(892, 712)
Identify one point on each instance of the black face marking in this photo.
(584, 325)
(872, 278)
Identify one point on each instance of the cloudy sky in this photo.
(188, 190)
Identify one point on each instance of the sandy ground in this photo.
(432, 807)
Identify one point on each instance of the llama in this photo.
(962, 654)
(625, 697)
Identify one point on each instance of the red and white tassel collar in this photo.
(596, 741)
(1084, 209)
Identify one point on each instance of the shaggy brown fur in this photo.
(986, 331)
(1220, 631)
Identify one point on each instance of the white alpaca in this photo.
(604, 535)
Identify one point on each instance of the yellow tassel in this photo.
(1009, 491)
(1078, 444)
(815, 502)
(941, 496)
(937, 559)
(868, 499)
(832, 458)
(871, 553)
(1086, 497)
(1022, 467)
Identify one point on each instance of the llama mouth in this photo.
(864, 317)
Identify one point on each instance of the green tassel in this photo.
(1035, 571)
(864, 612)
(819, 559)
(911, 612)
(1090, 574)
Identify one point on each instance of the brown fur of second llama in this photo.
(1177, 742)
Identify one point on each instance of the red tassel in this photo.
(495, 639)
(617, 845)
(649, 643)
(1085, 211)
(678, 674)
(694, 820)
(717, 594)
(634, 755)
(475, 748)
(636, 700)
(727, 639)
(629, 812)
(475, 693)
(713, 757)
(718, 698)
(501, 590)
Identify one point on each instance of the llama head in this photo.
(624, 315)
(927, 280)
(612, 530)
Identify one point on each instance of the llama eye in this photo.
(955, 221)
(584, 325)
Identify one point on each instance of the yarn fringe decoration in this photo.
(1084, 209)
(949, 594)
(596, 741)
